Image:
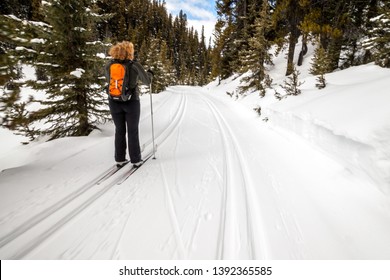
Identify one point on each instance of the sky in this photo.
(199, 12)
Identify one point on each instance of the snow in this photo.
(349, 119)
(80, 29)
(78, 72)
(38, 41)
(312, 182)
(24, 49)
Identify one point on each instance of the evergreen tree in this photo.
(20, 8)
(191, 61)
(180, 46)
(354, 26)
(15, 46)
(74, 102)
(258, 54)
(371, 12)
(292, 83)
(116, 27)
(379, 42)
(320, 66)
(216, 54)
(203, 54)
(155, 64)
(287, 17)
(161, 66)
(341, 26)
(226, 32)
(248, 32)
(8, 60)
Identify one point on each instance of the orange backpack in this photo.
(118, 87)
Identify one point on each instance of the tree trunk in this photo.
(84, 128)
(335, 52)
(303, 50)
(291, 51)
(294, 35)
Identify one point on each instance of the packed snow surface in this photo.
(308, 179)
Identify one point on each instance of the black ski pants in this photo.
(126, 116)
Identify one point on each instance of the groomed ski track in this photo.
(221, 188)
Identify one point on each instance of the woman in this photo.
(126, 114)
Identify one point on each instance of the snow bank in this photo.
(12, 152)
(349, 119)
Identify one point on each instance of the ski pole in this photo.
(151, 110)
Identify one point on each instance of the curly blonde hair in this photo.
(122, 51)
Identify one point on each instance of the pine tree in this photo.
(248, 32)
(117, 23)
(340, 26)
(258, 54)
(288, 16)
(74, 101)
(180, 46)
(7, 45)
(168, 69)
(320, 66)
(379, 42)
(354, 25)
(161, 66)
(10, 72)
(226, 54)
(292, 83)
(19, 8)
(203, 58)
(216, 54)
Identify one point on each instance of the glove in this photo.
(150, 73)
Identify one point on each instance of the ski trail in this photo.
(172, 213)
(238, 200)
(230, 237)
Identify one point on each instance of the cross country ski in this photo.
(111, 172)
(133, 169)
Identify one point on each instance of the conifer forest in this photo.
(67, 41)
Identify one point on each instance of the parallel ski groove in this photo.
(177, 119)
(228, 136)
(227, 190)
(112, 171)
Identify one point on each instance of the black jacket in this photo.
(136, 73)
